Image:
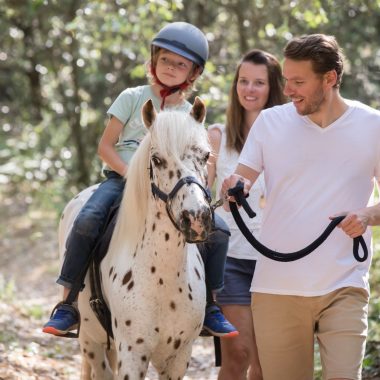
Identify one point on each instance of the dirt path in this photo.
(28, 268)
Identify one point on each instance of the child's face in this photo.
(172, 69)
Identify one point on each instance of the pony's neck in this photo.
(163, 246)
(161, 228)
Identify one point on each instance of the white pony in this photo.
(153, 285)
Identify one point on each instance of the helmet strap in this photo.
(167, 90)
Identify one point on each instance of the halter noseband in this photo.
(168, 198)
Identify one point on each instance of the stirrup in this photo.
(69, 334)
(205, 334)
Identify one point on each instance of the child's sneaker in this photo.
(63, 319)
(217, 325)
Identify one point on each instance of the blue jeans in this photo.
(214, 254)
(87, 228)
(90, 223)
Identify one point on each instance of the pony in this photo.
(152, 281)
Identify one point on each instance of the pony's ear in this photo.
(198, 112)
(148, 113)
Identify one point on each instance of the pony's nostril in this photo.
(185, 218)
(207, 218)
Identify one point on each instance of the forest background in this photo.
(63, 62)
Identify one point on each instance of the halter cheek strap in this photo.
(167, 198)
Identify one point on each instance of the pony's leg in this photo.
(85, 373)
(176, 366)
(132, 365)
(94, 359)
(111, 356)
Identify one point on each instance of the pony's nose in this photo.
(196, 225)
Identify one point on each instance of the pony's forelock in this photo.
(183, 130)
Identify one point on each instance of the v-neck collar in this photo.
(331, 126)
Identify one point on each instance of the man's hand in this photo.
(354, 224)
(231, 182)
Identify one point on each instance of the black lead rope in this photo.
(238, 194)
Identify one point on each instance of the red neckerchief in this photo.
(166, 90)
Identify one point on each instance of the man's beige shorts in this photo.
(285, 327)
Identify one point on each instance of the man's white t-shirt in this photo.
(312, 173)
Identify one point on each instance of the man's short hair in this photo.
(322, 50)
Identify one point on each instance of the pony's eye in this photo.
(156, 161)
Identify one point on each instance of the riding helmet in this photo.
(185, 40)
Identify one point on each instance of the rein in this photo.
(240, 198)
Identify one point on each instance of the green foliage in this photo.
(374, 308)
(64, 62)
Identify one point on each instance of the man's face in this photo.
(303, 86)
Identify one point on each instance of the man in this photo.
(320, 154)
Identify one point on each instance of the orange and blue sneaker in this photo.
(63, 319)
(216, 324)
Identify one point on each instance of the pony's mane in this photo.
(170, 135)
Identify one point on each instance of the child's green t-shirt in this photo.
(127, 108)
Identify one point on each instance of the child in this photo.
(178, 56)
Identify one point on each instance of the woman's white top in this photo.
(226, 163)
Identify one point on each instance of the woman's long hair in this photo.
(235, 111)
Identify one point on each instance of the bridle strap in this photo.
(183, 181)
(167, 198)
(238, 193)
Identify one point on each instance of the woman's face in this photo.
(253, 86)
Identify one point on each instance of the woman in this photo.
(257, 85)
